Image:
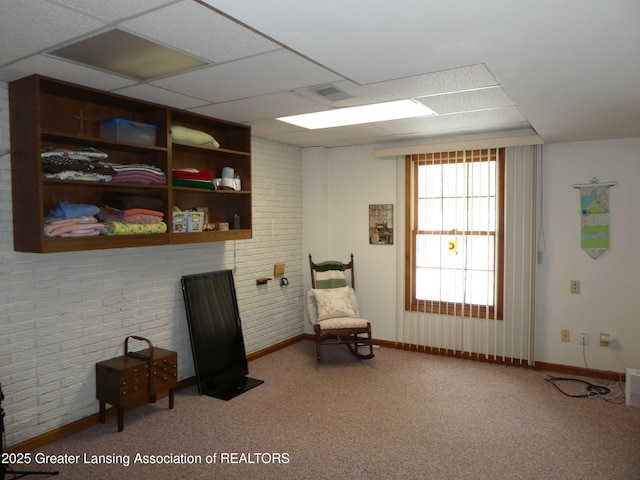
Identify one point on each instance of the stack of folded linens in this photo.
(191, 177)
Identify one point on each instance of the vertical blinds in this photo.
(470, 273)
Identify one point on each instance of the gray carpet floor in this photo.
(400, 415)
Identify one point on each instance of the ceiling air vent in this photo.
(332, 93)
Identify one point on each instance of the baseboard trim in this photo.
(580, 371)
(87, 422)
(543, 366)
(82, 424)
(274, 348)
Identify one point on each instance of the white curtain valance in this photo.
(503, 142)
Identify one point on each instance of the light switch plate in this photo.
(278, 270)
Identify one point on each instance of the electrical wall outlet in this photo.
(575, 286)
(564, 336)
(605, 338)
(584, 338)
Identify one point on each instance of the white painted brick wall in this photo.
(63, 312)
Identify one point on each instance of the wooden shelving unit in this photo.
(45, 113)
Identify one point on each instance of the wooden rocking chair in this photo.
(332, 309)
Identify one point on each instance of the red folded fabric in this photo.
(193, 175)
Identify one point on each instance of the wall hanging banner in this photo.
(594, 232)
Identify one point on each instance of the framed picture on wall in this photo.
(381, 224)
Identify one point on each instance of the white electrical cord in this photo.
(611, 394)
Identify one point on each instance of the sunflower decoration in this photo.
(453, 246)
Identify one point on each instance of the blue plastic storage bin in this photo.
(122, 130)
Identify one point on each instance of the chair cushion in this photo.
(336, 302)
(342, 322)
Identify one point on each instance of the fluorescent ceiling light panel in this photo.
(126, 54)
(378, 112)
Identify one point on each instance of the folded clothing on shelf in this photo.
(193, 178)
(192, 174)
(138, 173)
(178, 182)
(66, 209)
(83, 226)
(88, 153)
(124, 228)
(130, 215)
(84, 164)
(89, 165)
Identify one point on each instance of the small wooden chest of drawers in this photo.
(134, 377)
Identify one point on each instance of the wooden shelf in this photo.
(100, 143)
(45, 112)
(214, 236)
(210, 150)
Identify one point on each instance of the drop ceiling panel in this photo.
(267, 73)
(113, 9)
(329, 136)
(446, 81)
(198, 30)
(494, 97)
(30, 27)
(506, 118)
(261, 107)
(458, 79)
(63, 70)
(161, 96)
(398, 41)
(270, 126)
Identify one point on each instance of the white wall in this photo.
(316, 212)
(355, 179)
(341, 183)
(63, 312)
(610, 285)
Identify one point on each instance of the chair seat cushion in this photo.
(343, 322)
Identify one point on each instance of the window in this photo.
(454, 260)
